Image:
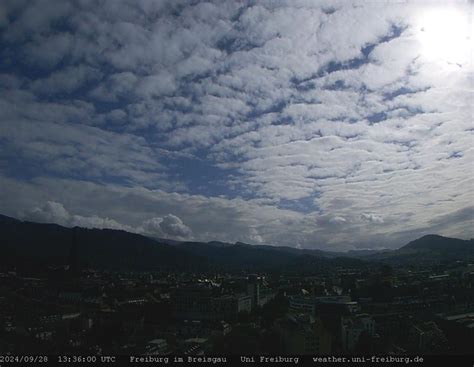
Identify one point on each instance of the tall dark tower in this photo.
(253, 290)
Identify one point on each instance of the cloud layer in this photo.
(312, 124)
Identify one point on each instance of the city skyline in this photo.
(325, 125)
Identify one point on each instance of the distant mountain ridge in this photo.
(39, 243)
(435, 242)
(429, 249)
(32, 244)
(29, 242)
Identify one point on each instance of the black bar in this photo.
(244, 360)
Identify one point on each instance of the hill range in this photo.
(30, 244)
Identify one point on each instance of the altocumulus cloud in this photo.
(317, 123)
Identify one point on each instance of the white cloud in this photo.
(50, 212)
(54, 212)
(170, 226)
(371, 218)
(337, 220)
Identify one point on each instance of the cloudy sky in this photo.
(313, 124)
